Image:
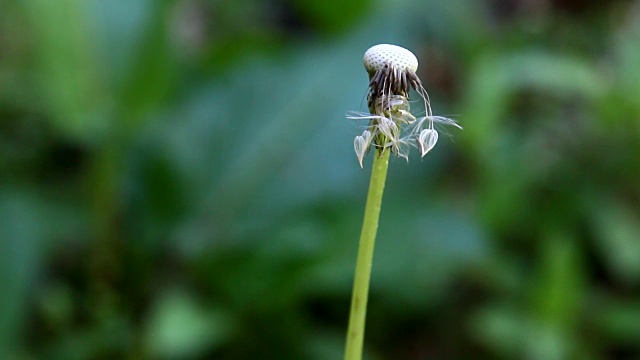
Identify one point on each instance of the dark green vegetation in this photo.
(178, 180)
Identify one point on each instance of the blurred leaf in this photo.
(617, 238)
(557, 298)
(121, 27)
(108, 338)
(67, 67)
(180, 328)
(627, 63)
(332, 17)
(152, 72)
(326, 346)
(618, 320)
(424, 243)
(22, 234)
(546, 330)
(557, 293)
(501, 327)
(508, 169)
(496, 78)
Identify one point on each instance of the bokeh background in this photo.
(178, 180)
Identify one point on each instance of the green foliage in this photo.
(178, 181)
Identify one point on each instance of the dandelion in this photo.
(392, 129)
(392, 75)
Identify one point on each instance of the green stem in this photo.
(355, 334)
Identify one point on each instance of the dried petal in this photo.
(399, 102)
(405, 117)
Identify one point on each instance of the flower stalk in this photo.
(357, 317)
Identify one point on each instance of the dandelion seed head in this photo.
(392, 73)
(398, 57)
(392, 127)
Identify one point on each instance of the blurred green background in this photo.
(178, 180)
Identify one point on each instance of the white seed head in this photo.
(392, 127)
(400, 58)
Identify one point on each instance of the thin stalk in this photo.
(355, 334)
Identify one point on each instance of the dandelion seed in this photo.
(445, 121)
(367, 136)
(389, 129)
(427, 140)
(399, 102)
(361, 145)
(406, 117)
(362, 116)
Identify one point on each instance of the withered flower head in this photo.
(392, 74)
